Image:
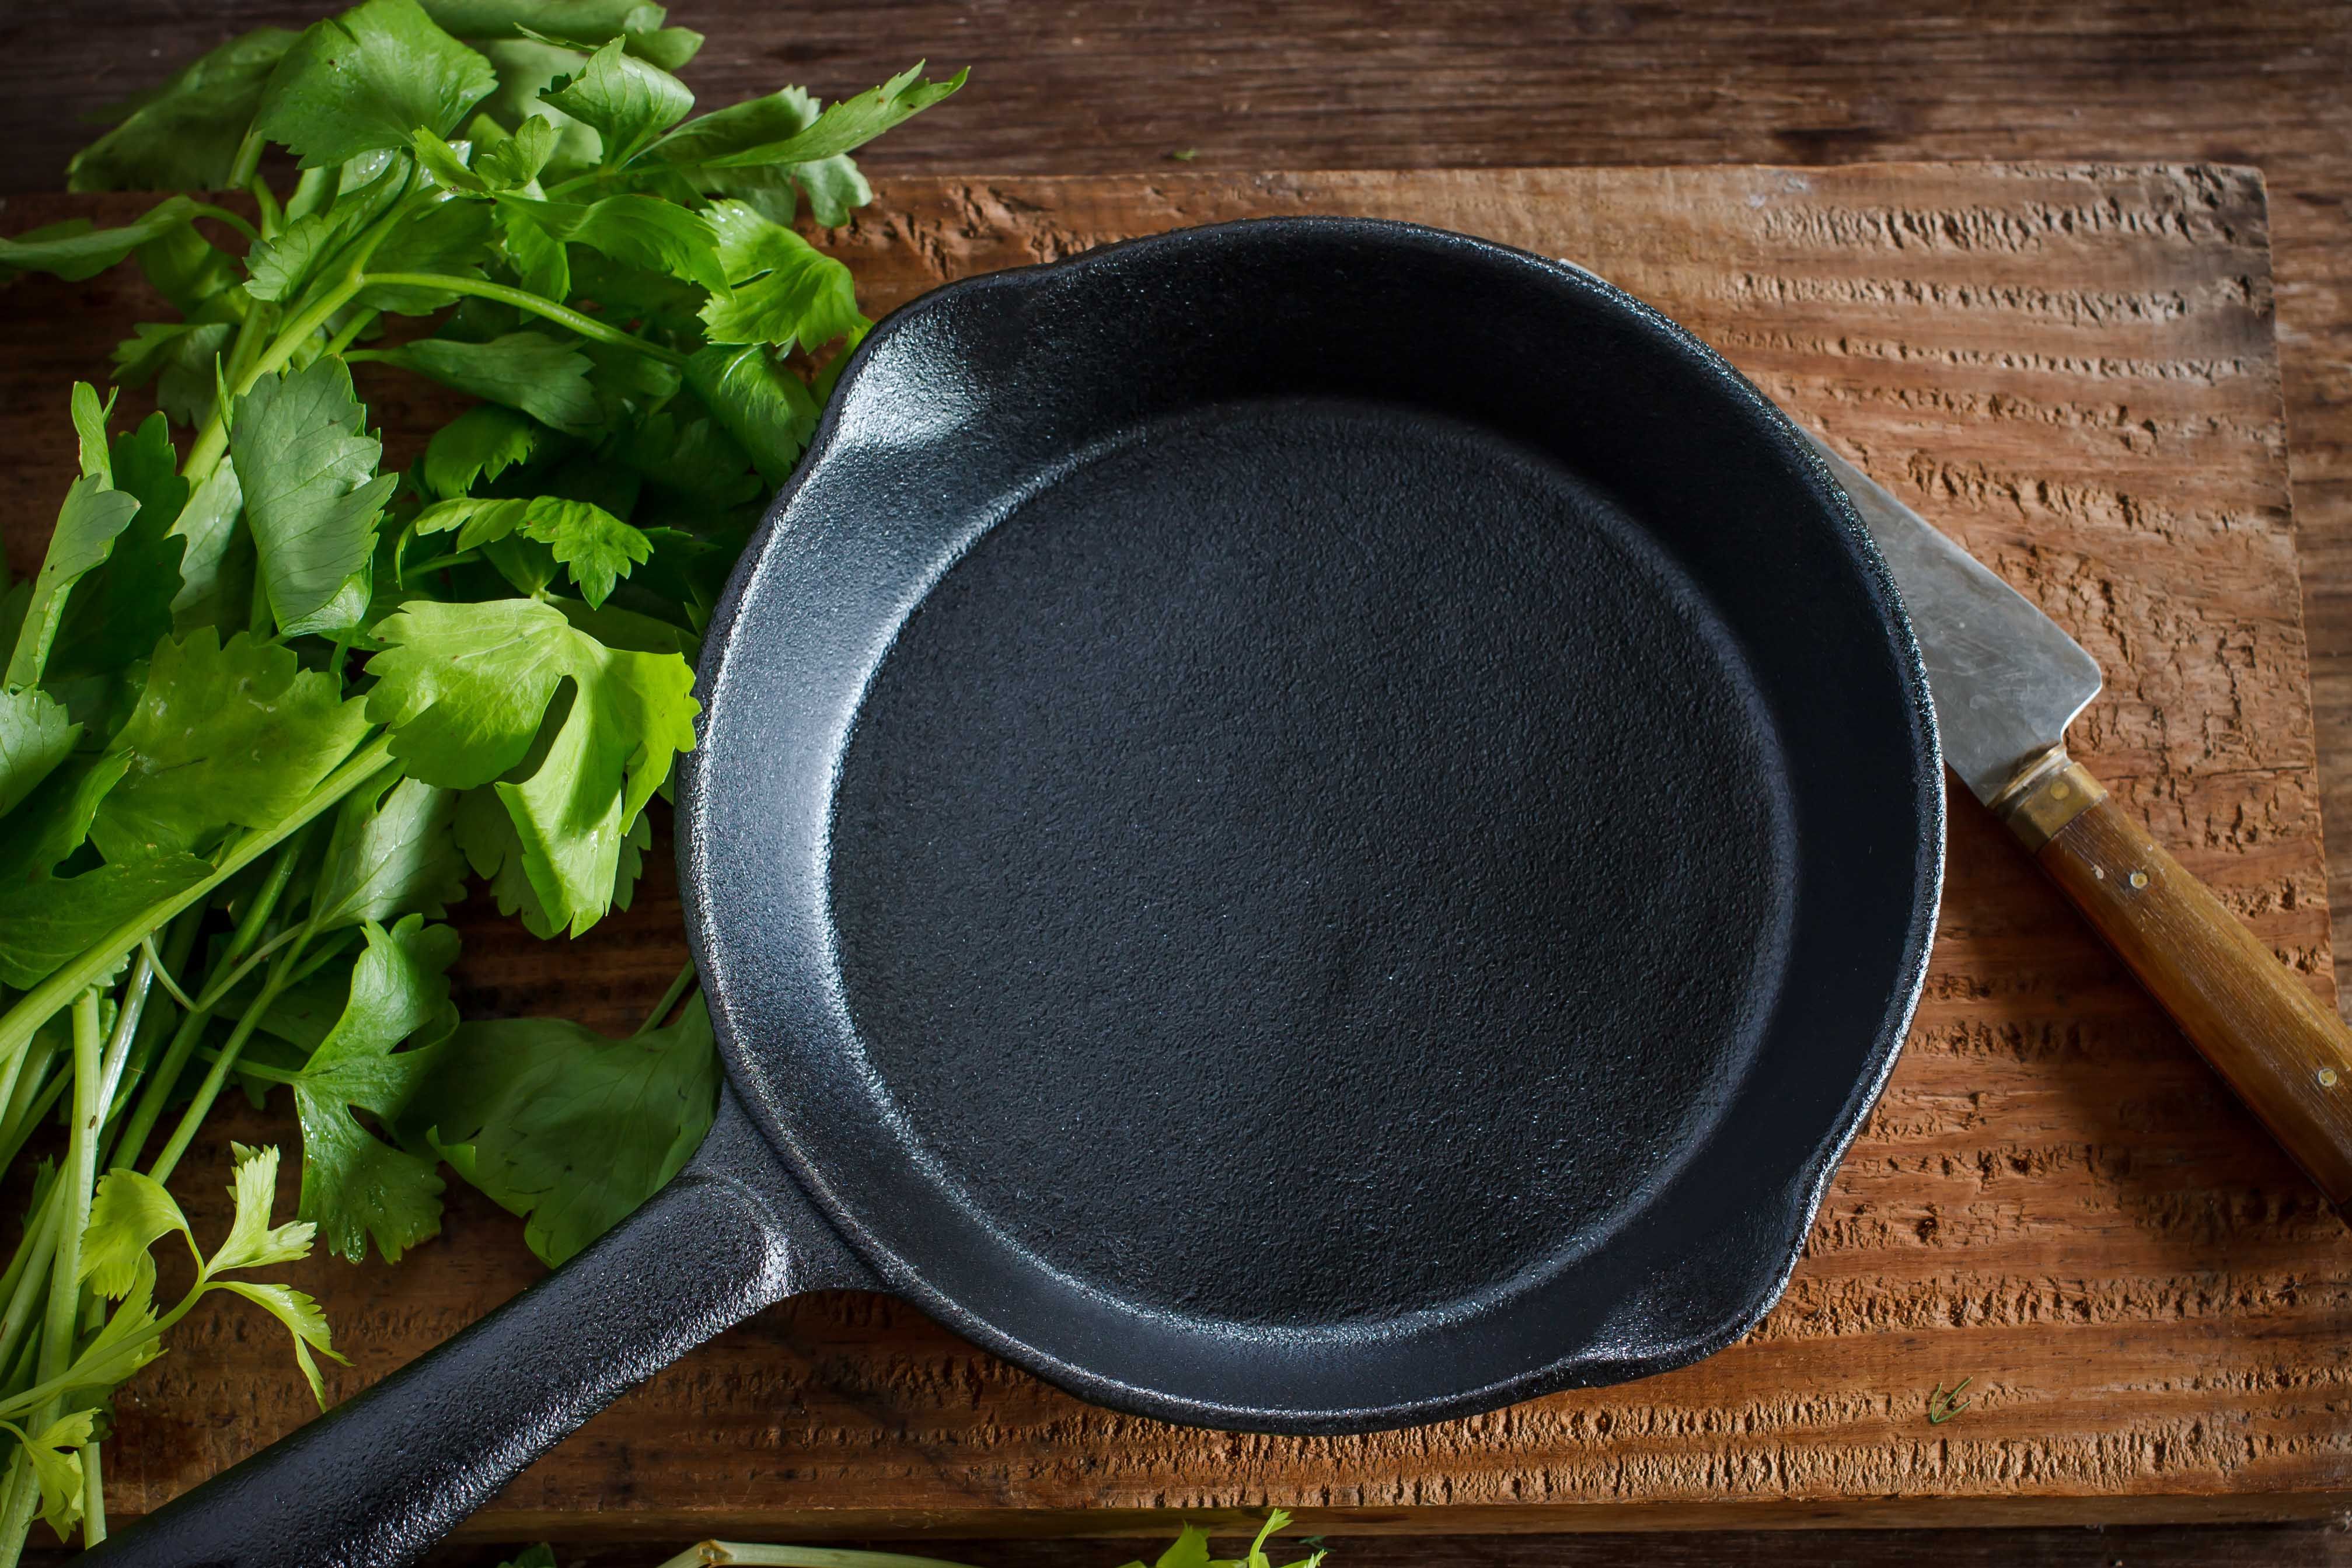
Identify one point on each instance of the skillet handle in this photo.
(2286, 1053)
(378, 1480)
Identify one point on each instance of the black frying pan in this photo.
(1305, 826)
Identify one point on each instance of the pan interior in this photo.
(1311, 863)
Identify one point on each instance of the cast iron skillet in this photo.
(1304, 826)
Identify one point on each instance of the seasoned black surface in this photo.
(1048, 903)
(1270, 812)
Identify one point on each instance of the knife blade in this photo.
(2006, 681)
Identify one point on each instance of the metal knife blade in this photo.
(2006, 681)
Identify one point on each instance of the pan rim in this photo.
(906, 1277)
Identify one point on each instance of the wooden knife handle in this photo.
(2285, 1052)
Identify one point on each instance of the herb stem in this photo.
(40, 1004)
(17, 1514)
(38, 1253)
(222, 216)
(350, 330)
(670, 999)
(205, 453)
(222, 1060)
(93, 1499)
(75, 1182)
(21, 1126)
(243, 169)
(521, 299)
(260, 1070)
(230, 968)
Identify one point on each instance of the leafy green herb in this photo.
(565, 1126)
(267, 704)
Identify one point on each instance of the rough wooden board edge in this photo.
(679, 1525)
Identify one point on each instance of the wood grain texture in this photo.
(2070, 368)
(1121, 85)
(2285, 1052)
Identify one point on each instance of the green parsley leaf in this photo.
(765, 407)
(486, 832)
(695, 458)
(445, 240)
(833, 184)
(44, 923)
(183, 135)
(252, 1241)
(391, 854)
(208, 526)
(480, 445)
(626, 100)
(225, 734)
(122, 608)
(525, 68)
(847, 126)
(197, 276)
(302, 1318)
(80, 251)
(119, 1349)
(278, 270)
(354, 1185)
(129, 1215)
(566, 1126)
(540, 260)
(179, 357)
(597, 547)
(54, 820)
(785, 290)
(93, 516)
(637, 231)
(517, 161)
(310, 496)
(527, 370)
(34, 736)
(361, 81)
(465, 690)
(56, 1460)
(445, 163)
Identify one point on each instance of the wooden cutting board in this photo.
(2070, 369)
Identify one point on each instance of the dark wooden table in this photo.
(1085, 88)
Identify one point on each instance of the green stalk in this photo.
(350, 330)
(93, 1499)
(37, 1006)
(76, 1181)
(521, 299)
(228, 970)
(247, 162)
(24, 1496)
(222, 216)
(280, 975)
(21, 1129)
(152, 1029)
(670, 999)
(39, 1250)
(205, 453)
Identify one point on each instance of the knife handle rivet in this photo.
(2060, 790)
(2139, 879)
(2328, 1078)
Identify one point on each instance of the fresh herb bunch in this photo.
(266, 705)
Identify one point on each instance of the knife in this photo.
(2006, 683)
